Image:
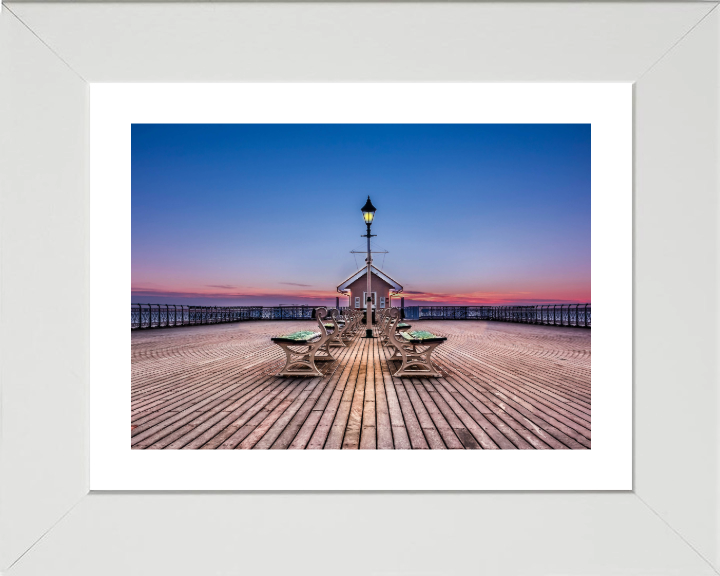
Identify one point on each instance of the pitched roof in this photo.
(360, 273)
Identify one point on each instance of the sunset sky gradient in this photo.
(268, 214)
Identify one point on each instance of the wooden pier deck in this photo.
(504, 386)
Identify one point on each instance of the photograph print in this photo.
(361, 286)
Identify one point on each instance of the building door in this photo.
(374, 299)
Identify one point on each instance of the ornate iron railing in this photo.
(168, 315)
(548, 314)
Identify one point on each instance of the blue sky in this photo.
(267, 214)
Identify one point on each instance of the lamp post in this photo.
(368, 214)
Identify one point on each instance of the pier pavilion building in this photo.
(383, 288)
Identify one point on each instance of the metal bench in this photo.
(384, 323)
(304, 348)
(353, 318)
(413, 348)
(340, 330)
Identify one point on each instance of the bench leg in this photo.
(298, 363)
(395, 353)
(417, 362)
(322, 353)
(336, 340)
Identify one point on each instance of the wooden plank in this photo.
(433, 437)
(298, 419)
(368, 431)
(458, 420)
(496, 392)
(412, 423)
(447, 433)
(203, 428)
(351, 439)
(252, 419)
(401, 439)
(503, 386)
(321, 433)
(266, 424)
(309, 426)
(382, 410)
(340, 423)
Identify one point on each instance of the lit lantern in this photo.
(368, 212)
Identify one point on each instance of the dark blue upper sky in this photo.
(268, 213)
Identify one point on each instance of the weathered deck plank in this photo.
(503, 386)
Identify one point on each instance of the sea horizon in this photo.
(328, 303)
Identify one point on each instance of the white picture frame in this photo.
(49, 523)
